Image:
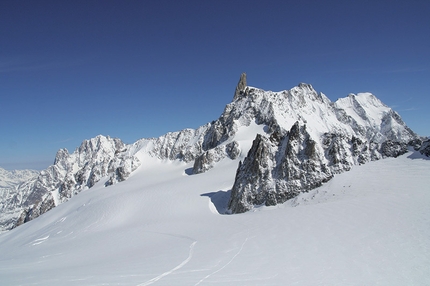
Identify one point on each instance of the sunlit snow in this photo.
(369, 226)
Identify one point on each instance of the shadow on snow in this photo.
(418, 155)
(220, 200)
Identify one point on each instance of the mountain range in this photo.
(284, 188)
(297, 140)
(9, 179)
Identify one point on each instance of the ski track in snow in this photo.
(40, 240)
(225, 265)
(190, 255)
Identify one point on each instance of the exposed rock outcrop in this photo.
(327, 139)
(209, 158)
(425, 148)
(240, 88)
(274, 173)
(276, 170)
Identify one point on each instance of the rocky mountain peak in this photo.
(309, 140)
(240, 88)
(306, 86)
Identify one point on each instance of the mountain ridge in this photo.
(10, 178)
(307, 132)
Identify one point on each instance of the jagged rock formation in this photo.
(209, 158)
(327, 138)
(425, 148)
(240, 88)
(302, 139)
(277, 169)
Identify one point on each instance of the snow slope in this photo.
(368, 226)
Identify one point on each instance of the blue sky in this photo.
(70, 70)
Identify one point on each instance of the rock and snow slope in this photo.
(368, 226)
(70, 174)
(299, 140)
(159, 220)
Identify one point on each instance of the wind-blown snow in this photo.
(369, 226)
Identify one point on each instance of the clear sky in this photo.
(70, 70)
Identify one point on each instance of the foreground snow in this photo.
(369, 226)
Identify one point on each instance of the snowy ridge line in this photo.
(312, 137)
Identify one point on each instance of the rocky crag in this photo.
(310, 139)
(305, 139)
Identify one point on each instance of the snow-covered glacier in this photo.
(287, 142)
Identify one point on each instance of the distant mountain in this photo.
(9, 179)
(287, 142)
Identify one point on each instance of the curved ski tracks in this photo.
(155, 279)
(225, 265)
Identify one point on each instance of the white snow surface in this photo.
(368, 226)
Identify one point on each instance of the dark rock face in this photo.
(302, 167)
(393, 149)
(287, 163)
(217, 134)
(278, 168)
(425, 148)
(416, 143)
(253, 183)
(36, 210)
(232, 149)
(209, 158)
(276, 171)
(240, 88)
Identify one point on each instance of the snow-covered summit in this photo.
(288, 142)
(308, 140)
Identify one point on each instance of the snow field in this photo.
(369, 226)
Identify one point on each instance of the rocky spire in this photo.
(240, 88)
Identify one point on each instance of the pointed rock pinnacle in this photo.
(240, 88)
